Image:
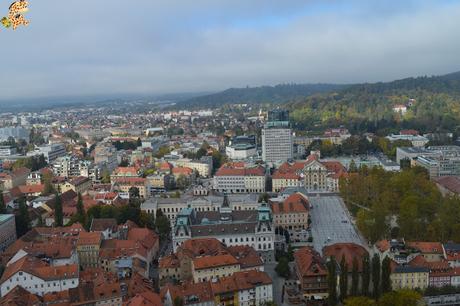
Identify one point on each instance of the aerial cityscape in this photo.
(251, 153)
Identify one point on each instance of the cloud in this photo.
(83, 47)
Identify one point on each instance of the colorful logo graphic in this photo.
(15, 16)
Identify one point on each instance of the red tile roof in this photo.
(240, 169)
(29, 189)
(451, 183)
(93, 238)
(427, 247)
(348, 250)
(295, 203)
(309, 263)
(182, 170)
(209, 262)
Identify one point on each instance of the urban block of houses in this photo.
(205, 259)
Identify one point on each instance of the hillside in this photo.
(369, 107)
(265, 94)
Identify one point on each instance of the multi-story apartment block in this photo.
(204, 259)
(240, 178)
(7, 231)
(292, 215)
(88, 246)
(277, 144)
(37, 277)
(51, 152)
(312, 273)
(408, 277)
(241, 288)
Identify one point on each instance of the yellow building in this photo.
(79, 184)
(214, 267)
(125, 184)
(406, 277)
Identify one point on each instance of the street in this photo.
(331, 223)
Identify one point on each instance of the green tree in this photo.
(2, 204)
(355, 277)
(400, 298)
(178, 301)
(263, 198)
(366, 277)
(282, 268)
(81, 214)
(343, 279)
(359, 301)
(134, 193)
(58, 213)
(162, 225)
(105, 177)
(48, 182)
(182, 182)
(332, 281)
(376, 275)
(386, 272)
(22, 218)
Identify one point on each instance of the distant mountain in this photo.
(264, 94)
(369, 107)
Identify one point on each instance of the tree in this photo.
(105, 177)
(343, 279)
(2, 204)
(354, 277)
(81, 214)
(263, 198)
(48, 182)
(58, 213)
(134, 192)
(290, 253)
(359, 301)
(386, 272)
(178, 301)
(332, 281)
(282, 268)
(352, 168)
(162, 225)
(376, 275)
(22, 218)
(366, 277)
(400, 298)
(182, 182)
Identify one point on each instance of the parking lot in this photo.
(331, 222)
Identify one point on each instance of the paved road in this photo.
(331, 222)
(278, 282)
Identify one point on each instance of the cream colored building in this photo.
(214, 267)
(407, 277)
(204, 169)
(292, 215)
(125, 184)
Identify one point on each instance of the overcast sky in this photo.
(83, 47)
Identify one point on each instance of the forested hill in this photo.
(433, 104)
(264, 94)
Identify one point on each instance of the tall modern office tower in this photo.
(277, 140)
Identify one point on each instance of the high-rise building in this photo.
(278, 118)
(277, 139)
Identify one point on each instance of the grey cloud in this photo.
(82, 47)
